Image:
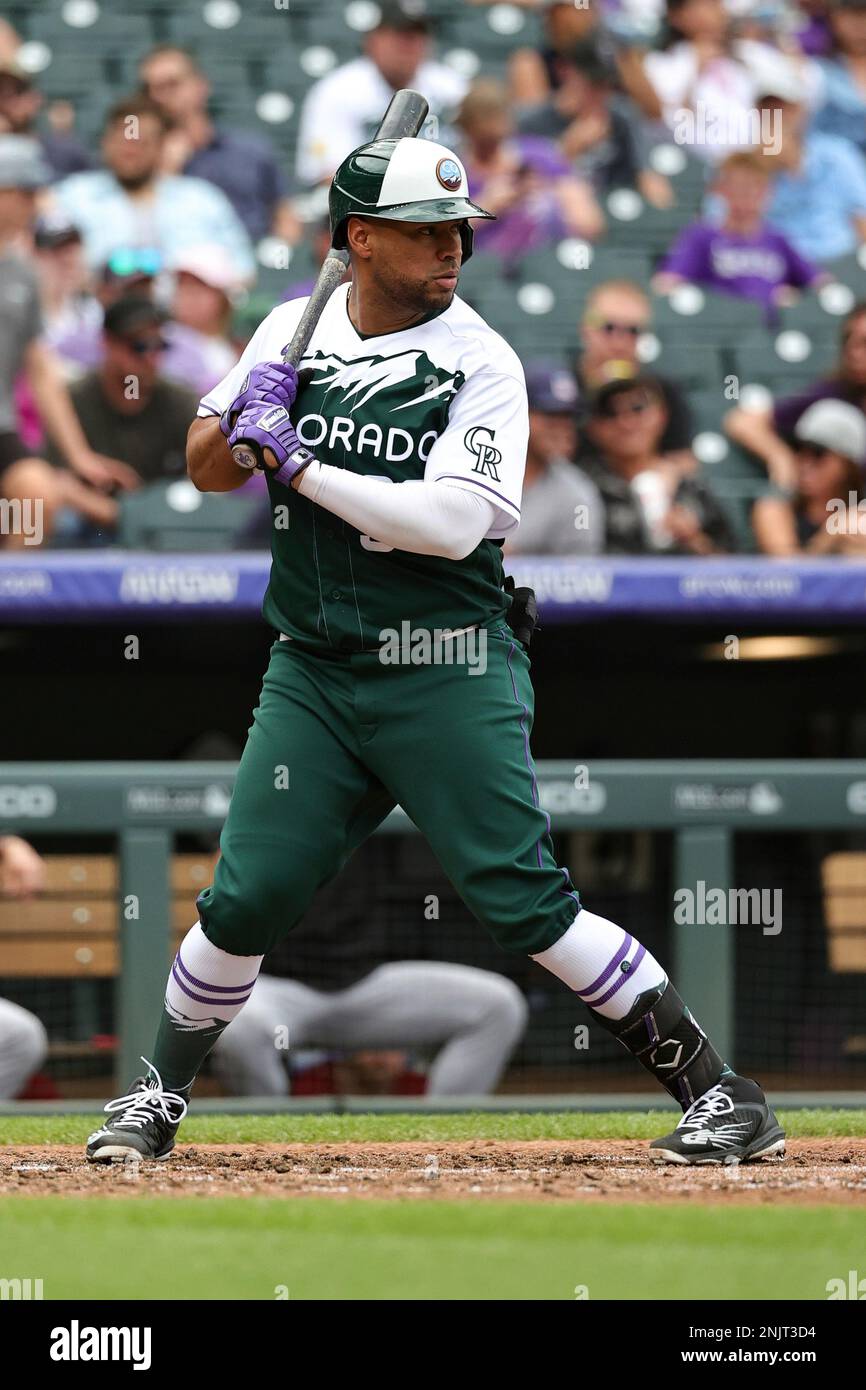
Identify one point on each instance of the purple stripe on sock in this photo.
(203, 999)
(639, 955)
(214, 989)
(608, 969)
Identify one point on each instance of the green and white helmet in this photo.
(408, 180)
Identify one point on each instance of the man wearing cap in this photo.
(394, 456)
(820, 514)
(20, 104)
(22, 350)
(344, 108)
(125, 405)
(562, 512)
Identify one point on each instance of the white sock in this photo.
(603, 964)
(207, 985)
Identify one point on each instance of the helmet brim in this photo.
(430, 210)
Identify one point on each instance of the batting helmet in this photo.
(408, 180)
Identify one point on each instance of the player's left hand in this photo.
(264, 437)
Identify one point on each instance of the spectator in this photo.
(71, 312)
(23, 1041)
(561, 512)
(204, 290)
(707, 82)
(26, 478)
(596, 129)
(820, 515)
(20, 104)
(343, 110)
(617, 314)
(652, 505)
(131, 204)
(126, 405)
(769, 432)
(522, 180)
(534, 75)
(741, 256)
(340, 984)
(840, 98)
(819, 194)
(244, 166)
(188, 358)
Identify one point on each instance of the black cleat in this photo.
(147, 1121)
(729, 1123)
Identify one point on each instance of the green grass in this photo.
(329, 1129)
(222, 1248)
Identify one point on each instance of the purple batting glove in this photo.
(269, 383)
(263, 427)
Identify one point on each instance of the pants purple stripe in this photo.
(203, 999)
(214, 989)
(639, 955)
(608, 969)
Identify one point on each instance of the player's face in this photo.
(416, 264)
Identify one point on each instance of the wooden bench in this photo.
(843, 877)
(71, 931)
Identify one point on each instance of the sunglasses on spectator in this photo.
(142, 346)
(125, 263)
(634, 330)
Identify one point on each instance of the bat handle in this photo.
(330, 276)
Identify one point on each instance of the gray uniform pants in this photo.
(470, 1018)
(23, 1045)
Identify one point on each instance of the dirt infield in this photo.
(816, 1170)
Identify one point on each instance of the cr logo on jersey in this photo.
(479, 441)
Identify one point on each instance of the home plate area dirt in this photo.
(815, 1170)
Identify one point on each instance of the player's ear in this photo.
(358, 236)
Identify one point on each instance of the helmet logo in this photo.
(449, 175)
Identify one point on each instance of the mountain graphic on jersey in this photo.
(376, 414)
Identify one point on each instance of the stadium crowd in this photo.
(678, 255)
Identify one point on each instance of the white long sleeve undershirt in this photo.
(426, 518)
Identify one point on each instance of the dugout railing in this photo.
(702, 804)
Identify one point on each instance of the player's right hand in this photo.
(269, 383)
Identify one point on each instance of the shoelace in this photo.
(141, 1107)
(713, 1102)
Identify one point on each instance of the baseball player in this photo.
(394, 460)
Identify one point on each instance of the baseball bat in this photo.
(406, 114)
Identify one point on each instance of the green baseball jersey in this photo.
(445, 399)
